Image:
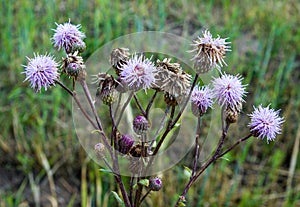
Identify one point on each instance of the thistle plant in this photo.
(134, 74)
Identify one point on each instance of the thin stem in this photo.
(168, 129)
(74, 95)
(150, 103)
(118, 104)
(64, 87)
(124, 107)
(145, 196)
(185, 103)
(123, 191)
(139, 105)
(115, 163)
(197, 152)
(162, 123)
(91, 103)
(234, 145)
(205, 166)
(131, 188)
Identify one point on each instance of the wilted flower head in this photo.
(99, 149)
(119, 56)
(172, 79)
(138, 72)
(201, 100)
(265, 122)
(41, 71)
(69, 37)
(210, 52)
(228, 90)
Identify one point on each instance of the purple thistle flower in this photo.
(228, 90)
(138, 72)
(201, 100)
(41, 71)
(68, 36)
(210, 52)
(265, 122)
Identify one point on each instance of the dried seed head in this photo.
(210, 52)
(99, 150)
(118, 57)
(172, 79)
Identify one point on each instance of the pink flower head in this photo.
(138, 72)
(265, 122)
(201, 100)
(41, 71)
(228, 90)
(68, 36)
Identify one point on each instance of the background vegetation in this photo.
(41, 161)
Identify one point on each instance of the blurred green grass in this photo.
(37, 132)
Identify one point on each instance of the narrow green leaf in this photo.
(181, 204)
(117, 197)
(105, 170)
(187, 171)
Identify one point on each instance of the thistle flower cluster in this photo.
(137, 72)
(42, 70)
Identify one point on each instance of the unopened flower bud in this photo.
(140, 125)
(231, 115)
(73, 65)
(155, 184)
(78, 46)
(99, 150)
(106, 89)
(73, 69)
(125, 143)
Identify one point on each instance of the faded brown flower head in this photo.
(172, 79)
(118, 57)
(210, 52)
